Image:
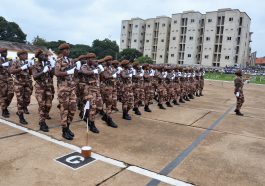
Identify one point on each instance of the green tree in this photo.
(38, 41)
(10, 31)
(145, 59)
(130, 54)
(79, 49)
(104, 48)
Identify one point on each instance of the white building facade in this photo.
(219, 38)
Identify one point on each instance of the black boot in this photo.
(186, 98)
(201, 94)
(5, 114)
(111, 123)
(197, 94)
(66, 134)
(7, 111)
(26, 111)
(161, 106)
(191, 96)
(101, 112)
(69, 131)
(147, 109)
(126, 116)
(92, 127)
(175, 102)
(105, 117)
(181, 100)
(136, 111)
(81, 114)
(168, 104)
(44, 127)
(238, 113)
(48, 117)
(22, 119)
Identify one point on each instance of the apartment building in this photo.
(219, 38)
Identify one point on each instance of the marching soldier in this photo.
(201, 81)
(116, 69)
(148, 87)
(170, 85)
(21, 69)
(197, 82)
(161, 90)
(42, 74)
(238, 82)
(177, 89)
(64, 70)
(138, 87)
(191, 83)
(6, 81)
(107, 89)
(127, 91)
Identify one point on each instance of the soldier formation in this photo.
(92, 86)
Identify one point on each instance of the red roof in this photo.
(260, 61)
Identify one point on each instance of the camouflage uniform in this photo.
(160, 87)
(177, 90)
(66, 91)
(138, 88)
(148, 88)
(7, 89)
(22, 86)
(238, 82)
(201, 81)
(126, 90)
(170, 87)
(43, 90)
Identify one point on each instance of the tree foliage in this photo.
(105, 47)
(144, 59)
(130, 54)
(10, 31)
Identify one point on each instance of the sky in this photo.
(82, 21)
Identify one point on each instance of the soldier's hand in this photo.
(70, 72)
(237, 94)
(78, 65)
(6, 64)
(95, 71)
(46, 69)
(24, 67)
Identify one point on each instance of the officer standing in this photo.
(238, 82)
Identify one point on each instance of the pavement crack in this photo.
(200, 118)
(13, 135)
(105, 180)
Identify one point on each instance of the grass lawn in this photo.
(231, 77)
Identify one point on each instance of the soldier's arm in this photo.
(14, 69)
(237, 85)
(36, 74)
(86, 71)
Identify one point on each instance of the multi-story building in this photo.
(218, 38)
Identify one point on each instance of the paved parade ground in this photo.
(201, 142)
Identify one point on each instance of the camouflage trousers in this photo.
(23, 91)
(114, 97)
(170, 92)
(127, 97)
(67, 101)
(201, 85)
(108, 97)
(93, 95)
(239, 101)
(177, 91)
(149, 93)
(44, 97)
(162, 93)
(138, 94)
(78, 94)
(6, 92)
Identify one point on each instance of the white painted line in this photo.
(96, 156)
(156, 176)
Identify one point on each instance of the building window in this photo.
(189, 55)
(122, 41)
(191, 38)
(163, 25)
(143, 26)
(147, 41)
(230, 19)
(209, 20)
(172, 55)
(175, 21)
(148, 26)
(192, 20)
(162, 40)
(136, 26)
(123, 27)
(229, 38)
(226, 57)
(174, 38)
(207, 38)
(160, 56)
(141, 41)
(135, 40)
(206, 56)
(142, 33)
